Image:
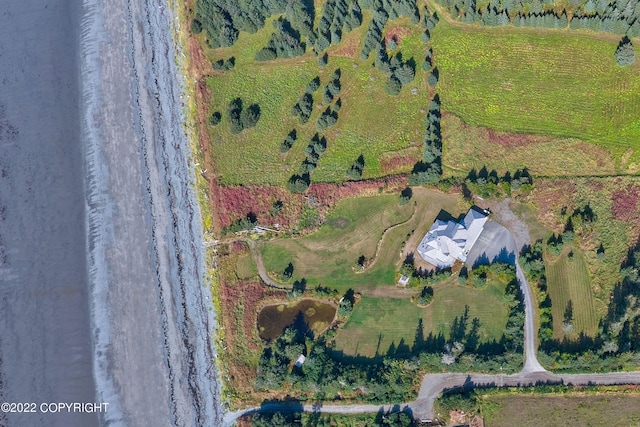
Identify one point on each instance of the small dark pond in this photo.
(273, 319)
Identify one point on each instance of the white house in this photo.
(447, 241)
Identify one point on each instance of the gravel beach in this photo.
(151, 322)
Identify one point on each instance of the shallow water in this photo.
(273, 319)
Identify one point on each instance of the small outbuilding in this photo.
(300, 361)
(404, 280)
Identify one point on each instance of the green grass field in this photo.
(467, 147)
(573, 409)
(568, 279)
(246, 267)
(364, 127)
(548, 82)
(376, 322)
(353, 229)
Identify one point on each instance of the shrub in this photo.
(405, 195)
(215, 118)
(426, 295)
(298, 183)
(288, 141)
(250, 116)
(233, 115)
(313, 85)
(196, 26)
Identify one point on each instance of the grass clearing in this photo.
(572, 409)
(355, 228)
(568, 280)
(467, 147)
(549, 82)
(246, 267)
(364, 127)
(377, 322)
(327, 256)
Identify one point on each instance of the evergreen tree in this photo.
(625, 55)
(393, 86)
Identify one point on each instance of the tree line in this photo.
(618, 16)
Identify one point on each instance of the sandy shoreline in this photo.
(150, 321)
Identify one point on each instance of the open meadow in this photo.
(572, 409)
(469, 147)
(616, 206)
(377, 322)
(548, 82)
(355, 228)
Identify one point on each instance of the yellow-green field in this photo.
(568, 279)
(547, 82)
(467, 147)
(574, 409)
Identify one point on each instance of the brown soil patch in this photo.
(625, 203)
(200, 65)
(549, 196)
(399, 161)
(396, 33)
(508, 139)
(349, 46)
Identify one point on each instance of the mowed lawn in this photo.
(370, 122)
(377, 322)
(563, 410)
(569, 280)
(355, 228)
(547, 82)
(467, 147)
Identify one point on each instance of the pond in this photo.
(274, 318)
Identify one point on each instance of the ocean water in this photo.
(45, 343)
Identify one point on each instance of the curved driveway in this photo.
(495, 243)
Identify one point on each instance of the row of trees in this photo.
(487, 183)
(299, 183)
(619, 16)
(429, 170)
(533, 266)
